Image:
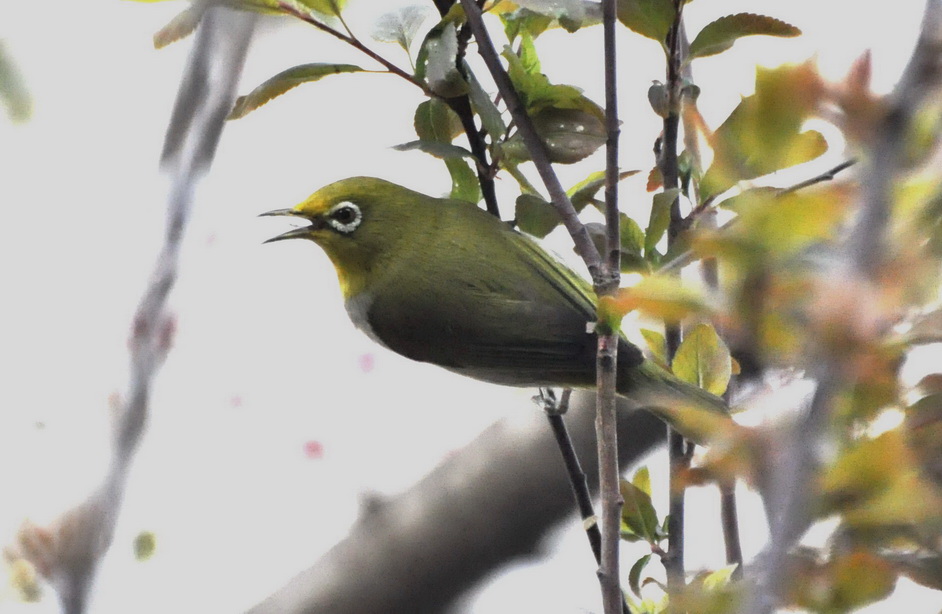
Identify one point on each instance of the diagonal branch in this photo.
(69, 551)
(535, 146)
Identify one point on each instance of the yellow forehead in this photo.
(354, 189)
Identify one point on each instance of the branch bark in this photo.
(607, 361)
(419, 551)
(70, 551)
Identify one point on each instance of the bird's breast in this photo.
(358, 309)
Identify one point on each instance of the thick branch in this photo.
(504, 490)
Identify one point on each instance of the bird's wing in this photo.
(509, 314)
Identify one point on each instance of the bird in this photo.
(442, 281)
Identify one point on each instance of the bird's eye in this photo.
(345, 217)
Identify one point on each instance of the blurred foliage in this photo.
(783, 304)
(13, 92)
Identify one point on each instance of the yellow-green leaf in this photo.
(703, 360)
(13, 93)
(634, 575)
(649, 18)
(657, 344)
(719, 35)
(284, 81)
(638, 515)
(145, 544)
(660, 218)
(660, 296)
(179, 27)
(324, 7)
(642, 480)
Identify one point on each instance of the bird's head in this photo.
(359, 222)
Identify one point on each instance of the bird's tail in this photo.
(693, 411)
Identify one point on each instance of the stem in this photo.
(678, 449)
(577, 478)
(461, 105)
(535, 146)
(729, 514)
(685, 258)
(355, 42)
(607, 359)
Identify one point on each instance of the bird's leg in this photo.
(546, 399)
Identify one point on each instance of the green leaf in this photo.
(464, 181)
(638, 514)
(634, 576)
(569, 13)
(763, 134)
(649, 18)
(179, 27)
(583, 193)
(570, 135)
(659, 296)
(642, 480)
(438, 62)
(657, 344)
(491, 118)
(719, 35)
(525, 21)
(400, 26)
(145, 544)
(435, 121)
(537, 93)
(529, 59)
(660, 218)
(324, 7)
(632, 245)
(703, 360)
(438, 149)
(284, 81)
(536, 216)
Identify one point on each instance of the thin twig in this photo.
(461, 105)
(678, 449)
(827, 175)
(355, 43)
(577, 478)
(687, 257)
(535, 145)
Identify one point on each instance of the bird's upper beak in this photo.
(304, 232)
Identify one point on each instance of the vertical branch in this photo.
(678, 448)
(607, 362)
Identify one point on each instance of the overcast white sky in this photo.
(265, 356)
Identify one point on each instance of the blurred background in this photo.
(272, 418)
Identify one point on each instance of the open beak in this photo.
(303, 232)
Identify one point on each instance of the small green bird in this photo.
(444, 282)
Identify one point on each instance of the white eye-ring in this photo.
(344, 217)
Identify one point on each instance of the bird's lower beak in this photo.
(296, 233)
